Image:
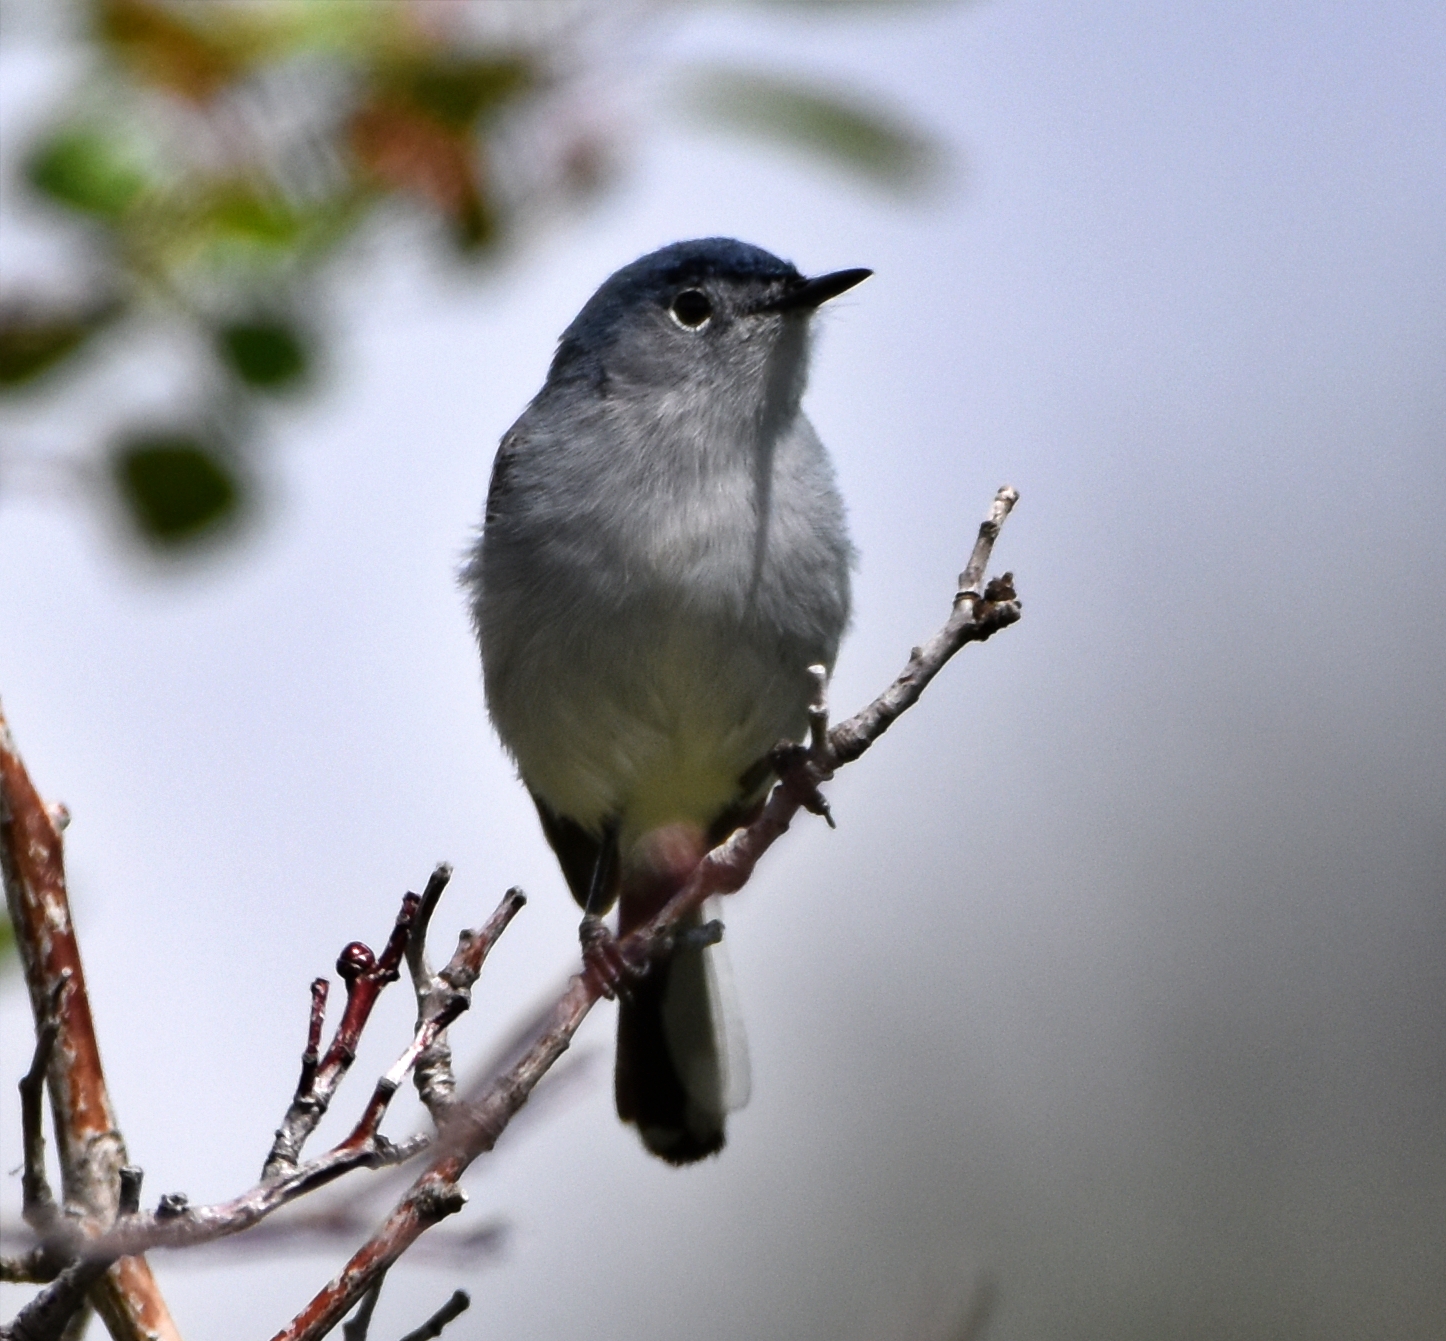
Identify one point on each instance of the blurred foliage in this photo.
(177, 486)
(219, 154)
(267, 355)
(87, 169)
(31, 341)
(845, 129)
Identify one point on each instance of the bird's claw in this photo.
(603, 963)
(800, 775)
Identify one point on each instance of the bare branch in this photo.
(435, 1081)
(320, 989)
(436, 1084)
(360, 1323)
(420, 970)
(347, 1217)
(457, 1305)
(89, 1145)
(972, 578)
(473, 1128)
(335, 1227)
(33, 1268)
(449, 995)
(180, 1225)
(977, 615)
(430, 1200)
(46, 1317)
(365, 975)
(38, 1205)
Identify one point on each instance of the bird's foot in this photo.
(603, 963)
(800, 775)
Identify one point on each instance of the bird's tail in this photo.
(682, 1061)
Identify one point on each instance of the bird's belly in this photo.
(655, 721)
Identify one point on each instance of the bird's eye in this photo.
(691, 308)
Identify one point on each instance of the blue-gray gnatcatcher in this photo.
(664, 557)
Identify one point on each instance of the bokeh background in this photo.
(1122, 984)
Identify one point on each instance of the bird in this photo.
(663, 563)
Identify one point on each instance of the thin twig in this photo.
(449, 996)
(363, 1147)
(33, 1268)
(436, 1084)
(417, 964)
(433, 1076)
(38, 1206)
(457, 1305)
(320, 989)
(48, 1314)
(348, 1216)
(474, 1128)
(365, 975)
(360, 1322)
(977, 615)
(189, 1225)
(338, 1227)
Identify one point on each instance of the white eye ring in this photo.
(691, 309)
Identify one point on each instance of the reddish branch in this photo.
(473, 1128)
(364, 1147)
(320, 988)
(89, 1145)
(449, 994)
(470, 1128)
(365, 975)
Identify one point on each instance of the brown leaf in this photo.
(165, 50)
(404, 150)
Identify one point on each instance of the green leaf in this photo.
(266, 353)
(854, 134)
(259, 217)
(192, 54)
(237, 232)
(175, 488)
(88, 170)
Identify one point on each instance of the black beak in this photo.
(811, 293)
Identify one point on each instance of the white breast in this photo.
(647, 631)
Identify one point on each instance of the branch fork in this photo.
(466, 1129)
(977, 613)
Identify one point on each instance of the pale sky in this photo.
(1124, 976)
